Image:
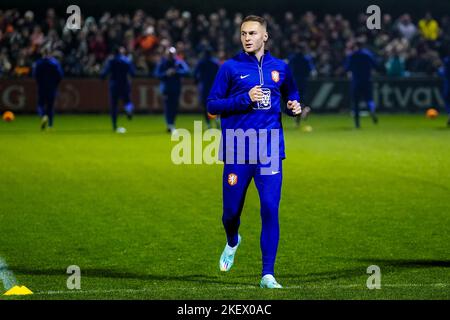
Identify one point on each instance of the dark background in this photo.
(416, 8)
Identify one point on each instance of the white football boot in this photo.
(227, 257)
(268, 281)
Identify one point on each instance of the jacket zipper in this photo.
(261, 76)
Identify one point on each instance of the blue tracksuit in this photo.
(205, 73)
(301, 66)
(360, 63)
(48, 74)
(171, 85)
(445, 73)
(229, 97)
(119, 67)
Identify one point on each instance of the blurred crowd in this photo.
(404, 47)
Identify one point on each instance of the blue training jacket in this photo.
(205, 73)
(171, 84)
(360, 63)
(48, 73)
(301, 66)
(119, 67)
(229, 96)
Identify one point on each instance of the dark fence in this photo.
(390, 95)
(323, 95)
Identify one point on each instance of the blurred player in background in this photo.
(119, 67)
(360, 64)
(302, 67)
(444, 71)
(247, 93)
(48, 74)
(204, 74)
(170, 70)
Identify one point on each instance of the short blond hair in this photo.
(259, 19)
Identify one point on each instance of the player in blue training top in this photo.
(170, 70)
(360, 63)
(204, 74)
(119, 67)
(302, 67)
(444, 71)
(48, 74)
(247, 94)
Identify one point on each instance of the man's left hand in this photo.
(295, 107)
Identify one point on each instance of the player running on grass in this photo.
(169, 71)
(444, 71)
(204, 74)
(247, 95)
(360, 63)
(120, 68)
(48, 74)
(302, 67)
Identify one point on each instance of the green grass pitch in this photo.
(140, 227)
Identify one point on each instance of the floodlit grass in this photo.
(141, 227)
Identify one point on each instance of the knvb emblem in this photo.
(232, 179)
(275, 76)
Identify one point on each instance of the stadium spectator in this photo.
(329, 38)
(148, 41)
(97, 46)
(406, 28)
(21, 69)
(142, 66)
(395, 66)
(429, 27)
(37, 38)
(445, 29)
(5, 64)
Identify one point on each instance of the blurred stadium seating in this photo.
(405, 47)
(145, 36)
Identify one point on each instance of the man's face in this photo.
(253, 36)
(170, 53)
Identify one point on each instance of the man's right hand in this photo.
(256, 94)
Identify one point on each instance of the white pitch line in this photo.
(6, 275)
(350, 286)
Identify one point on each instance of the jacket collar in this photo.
(244, 56)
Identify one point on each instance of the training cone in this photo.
(18, 291)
